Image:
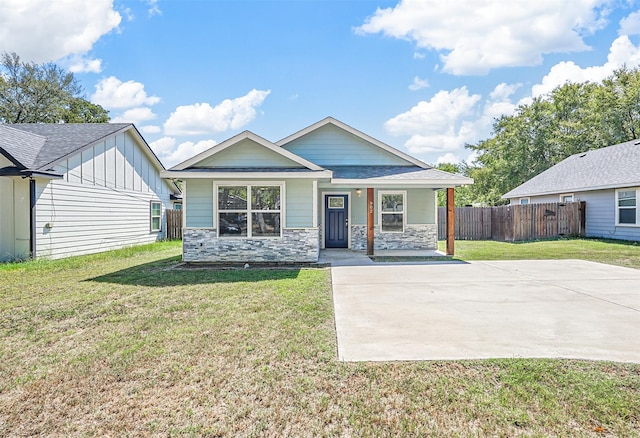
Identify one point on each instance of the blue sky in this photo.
(424, 76)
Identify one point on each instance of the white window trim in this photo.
(151, 216)
(249, 184)
(573, 198)
(404, 208)
(628, 189)
(524, 199)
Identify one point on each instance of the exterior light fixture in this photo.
(358, 192)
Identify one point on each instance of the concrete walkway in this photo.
(455, 310)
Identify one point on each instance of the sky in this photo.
(424, 76)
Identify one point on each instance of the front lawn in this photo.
(122, 344)
(614, 252)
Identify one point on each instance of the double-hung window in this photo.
(626, 207)
(392, 211)
(156, 216)
(249, 210)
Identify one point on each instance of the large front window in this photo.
(249, 211)
(392, 211)
(627, 207)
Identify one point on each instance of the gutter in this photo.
(32, 218)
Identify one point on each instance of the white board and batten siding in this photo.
(332, 146)
(103, 201)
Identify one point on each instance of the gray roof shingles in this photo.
(609, 167)
(390, 173)
(36, 146)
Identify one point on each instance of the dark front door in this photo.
(336, 221)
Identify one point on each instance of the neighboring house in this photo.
(69, 189)
(608, 179)
(248, 199)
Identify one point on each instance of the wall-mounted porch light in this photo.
(358, 192)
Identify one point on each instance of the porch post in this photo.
(450, 221)
(370, 226)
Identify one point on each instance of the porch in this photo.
(348, 257)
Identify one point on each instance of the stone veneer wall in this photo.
(414, 237)
(295, 245)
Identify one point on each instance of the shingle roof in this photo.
(610, 167)
(35, 146)
(390, 173)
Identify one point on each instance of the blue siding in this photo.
(601, 214)
(199, 203)
(299, 207)
(332, 146)
(247, 153)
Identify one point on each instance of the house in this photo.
(70, 189)
(608, 179)
(326, 186)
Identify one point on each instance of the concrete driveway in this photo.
(497, 309)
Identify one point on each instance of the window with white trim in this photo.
(156, 216)
(566, 198)
(626, 207)
(524, 201)
(391, 211)
(249, 211)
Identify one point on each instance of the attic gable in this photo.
(330, 142)
(246, 150)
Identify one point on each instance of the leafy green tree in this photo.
(573, 118)
(42, 93)
(462, 195)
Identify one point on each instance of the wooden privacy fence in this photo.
(174, 224)
(516, 222)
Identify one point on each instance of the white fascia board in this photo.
(325, 174)
(353, 131)
(237, 139)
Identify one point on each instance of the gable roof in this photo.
(606, 168)
(355, 132)
(37, 146)
(239, 138)
(34, 148)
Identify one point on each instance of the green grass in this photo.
(123, 344)
(614, 252)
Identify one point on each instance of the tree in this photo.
(43, 93)
(462, 195)
(573, 118)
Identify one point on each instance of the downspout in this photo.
(32, 218)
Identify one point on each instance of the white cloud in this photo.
(440, 114)
(202, 118)
(153, 8)
(452, 119)
(45, 30)
(112, 93)
(82, 64)
(170, 155)
(418, 84)
(630, 25)
(150, 129)
(622, 52)
(135, 115)
(492, 33)
(448, 158)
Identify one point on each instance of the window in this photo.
(626, 201)
(566, 198)
(391, 212)
(249, 211)
(177, 206)
(156, 216)
(524, 201)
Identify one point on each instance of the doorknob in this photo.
(346, 222)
